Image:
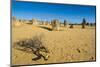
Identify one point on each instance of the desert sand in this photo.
(66, 45)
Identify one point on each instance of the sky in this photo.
(48, 11)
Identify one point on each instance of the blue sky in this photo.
(47, 11)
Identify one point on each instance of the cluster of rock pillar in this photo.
(54, 23)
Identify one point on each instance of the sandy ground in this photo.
(66, 45)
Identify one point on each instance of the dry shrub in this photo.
(71, 26)
(34, 45)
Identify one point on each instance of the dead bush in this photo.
(35, 45)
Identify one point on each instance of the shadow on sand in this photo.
(49, 29)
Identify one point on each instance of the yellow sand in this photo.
(66, 45)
